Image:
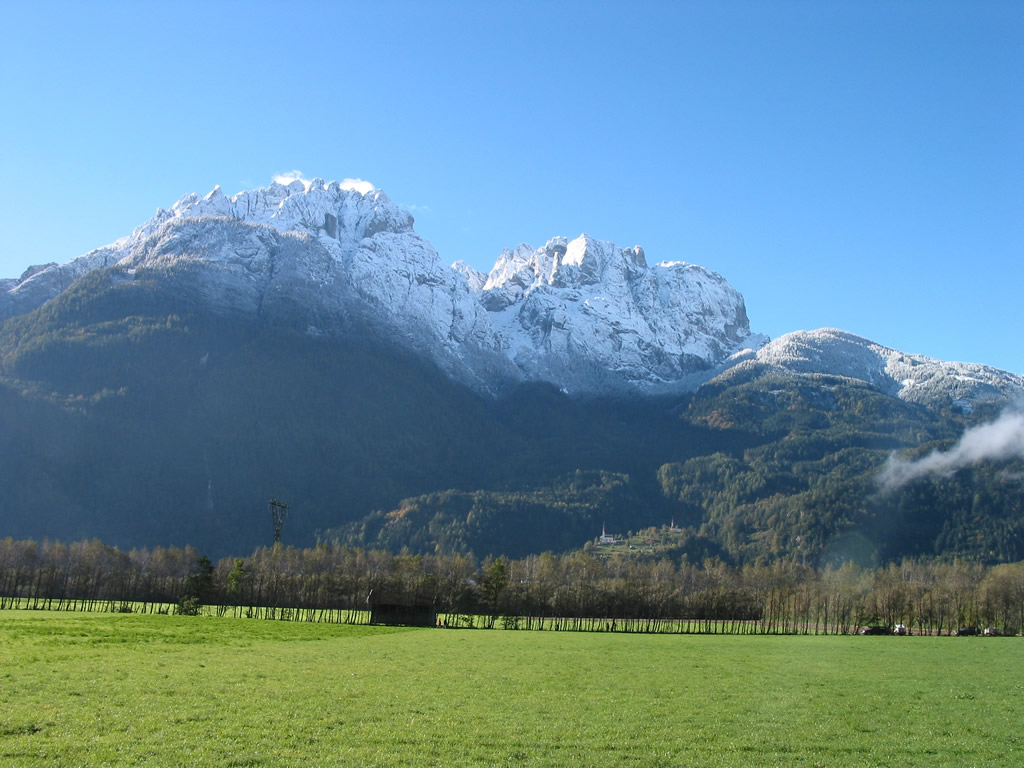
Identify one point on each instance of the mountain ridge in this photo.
(910, 377)
(582, 314)
(304, 343)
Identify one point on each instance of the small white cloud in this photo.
(289, 176)
(355, 185)
(999, 440)
(358, 185)
(413, 208)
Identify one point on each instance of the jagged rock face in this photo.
(588, 301)
(43, 282)
(319, 256)
(582, 314)
(211, 232)
(913, 378)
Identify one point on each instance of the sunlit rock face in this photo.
(591, 315)
(583, 314)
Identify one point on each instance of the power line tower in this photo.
(278, 513)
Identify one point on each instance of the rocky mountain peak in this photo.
(584, 313)
(338, 210)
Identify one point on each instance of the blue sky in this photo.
(850, 164)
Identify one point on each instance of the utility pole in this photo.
(278, 513)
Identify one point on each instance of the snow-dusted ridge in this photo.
(588, 300)
(910, 377)
(583, 314)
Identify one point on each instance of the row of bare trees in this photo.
(573, 591)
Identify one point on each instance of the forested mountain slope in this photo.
(785, 467)
(303, 343)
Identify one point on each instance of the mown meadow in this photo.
(82, 689)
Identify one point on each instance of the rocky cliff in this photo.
(584, 314)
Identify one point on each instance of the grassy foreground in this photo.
(127, 690)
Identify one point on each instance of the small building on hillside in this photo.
(605, 538)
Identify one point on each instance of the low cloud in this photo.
(996, 441)
(1006, 476)
(289, 176)
(358, 185)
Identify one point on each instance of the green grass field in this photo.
(129, 690)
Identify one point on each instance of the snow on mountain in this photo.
(588, 301)
(343, 213)
(323, 210)
(582, 314)
(318, 252)
(914, 378)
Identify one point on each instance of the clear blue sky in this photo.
(849, 164)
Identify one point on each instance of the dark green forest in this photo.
(130, 413)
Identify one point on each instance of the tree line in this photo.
(574, 591)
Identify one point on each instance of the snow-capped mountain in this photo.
(582, 314)
(230, 350)
(588, 301)
(914, 378)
